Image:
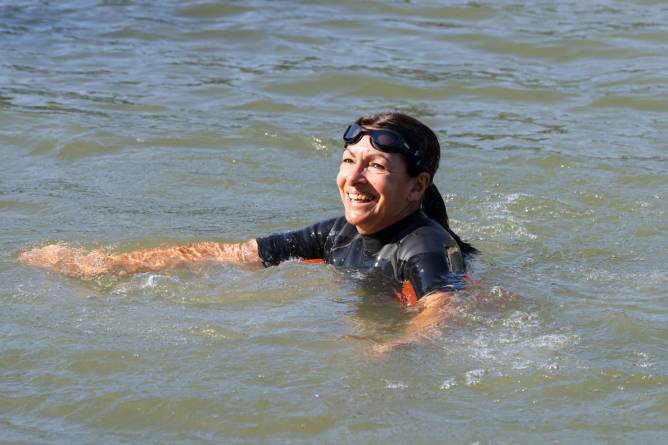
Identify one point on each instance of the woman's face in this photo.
(375, 189)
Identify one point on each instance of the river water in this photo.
(132, 124)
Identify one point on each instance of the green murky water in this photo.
(131, 124)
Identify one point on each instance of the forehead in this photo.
(364, 148)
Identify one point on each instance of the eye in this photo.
(347, 160)
(377, 166)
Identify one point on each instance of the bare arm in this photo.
(86, 264)
(434, 310)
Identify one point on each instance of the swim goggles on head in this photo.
(386, 141)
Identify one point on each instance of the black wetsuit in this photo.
(415, 250)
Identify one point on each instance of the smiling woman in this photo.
(395, 228)
(374, 188)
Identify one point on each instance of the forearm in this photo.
(165, 258)
(434, 311)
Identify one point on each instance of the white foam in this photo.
(641, 359)
(395, 385)
(447, 384)
(474, 377)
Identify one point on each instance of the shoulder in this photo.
(432, 243)
(428, 237)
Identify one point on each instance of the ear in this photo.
(418, 185)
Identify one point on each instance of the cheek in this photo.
(396, 191)
(387, 187)
(340, 179)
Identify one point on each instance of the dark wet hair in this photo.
(422, 138)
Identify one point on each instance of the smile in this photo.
(360, 197)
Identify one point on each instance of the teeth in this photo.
(359, 197)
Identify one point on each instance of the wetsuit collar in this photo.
(374, 241)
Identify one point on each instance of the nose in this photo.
(357, 174)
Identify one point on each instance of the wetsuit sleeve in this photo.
(430, 272)
(431, 260)
(308, 243)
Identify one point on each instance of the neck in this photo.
(379, 233)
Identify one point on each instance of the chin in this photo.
(355, 220)
(363, 225)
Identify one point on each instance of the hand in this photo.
(380, 350)
(67, 260)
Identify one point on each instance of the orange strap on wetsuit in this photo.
(315, 260)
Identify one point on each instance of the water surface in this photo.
(129, 125)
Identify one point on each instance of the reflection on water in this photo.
(127, 125)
